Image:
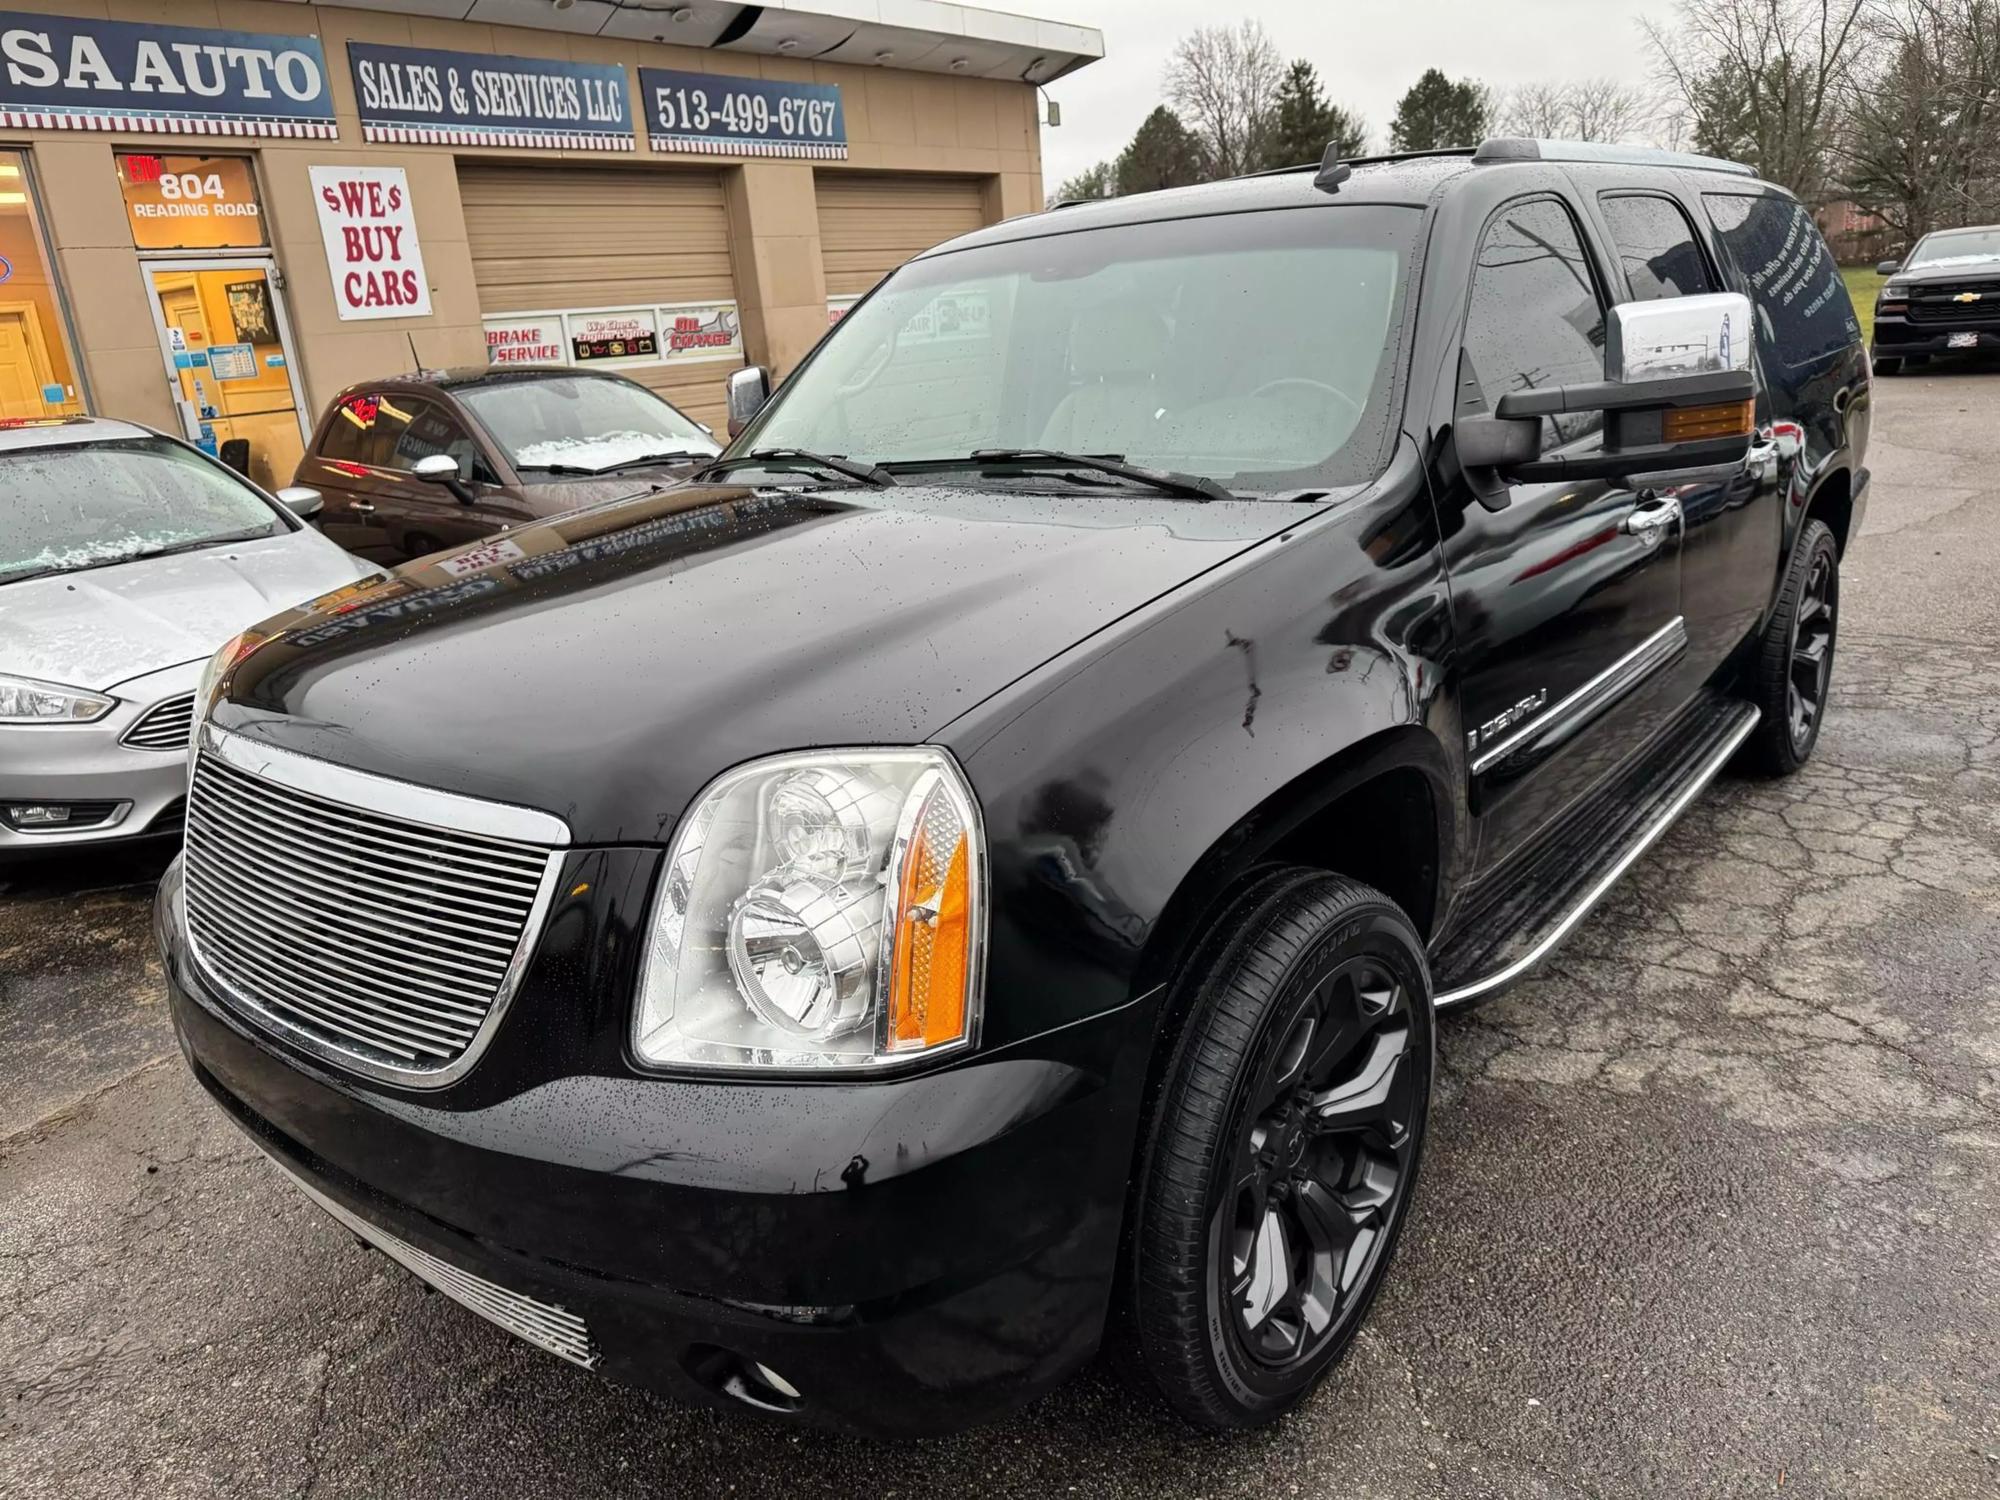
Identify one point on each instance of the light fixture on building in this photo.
(565, 4)
(885, 57)
(788, 44)
(960, 64)
(682, 13)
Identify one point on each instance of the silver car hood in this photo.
(98, 627)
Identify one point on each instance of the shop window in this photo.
(191, 202)
(37, 373)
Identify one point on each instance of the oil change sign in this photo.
(79, 73)
(417, 94)
(371, 242)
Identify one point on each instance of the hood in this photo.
(605, 666)
(1972, 268)
(102, 626)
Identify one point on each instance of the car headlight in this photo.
(1895, 291)
(819, 910)
(26, 701)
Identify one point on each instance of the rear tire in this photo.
(1794, 667)
(1284, 1149)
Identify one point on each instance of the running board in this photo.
(1559, 883)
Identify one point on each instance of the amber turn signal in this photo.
(928, 986)
(1690, 424)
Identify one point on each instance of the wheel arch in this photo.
(1379, 811)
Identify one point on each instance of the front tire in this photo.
(1285, 1147)
(1793, 674)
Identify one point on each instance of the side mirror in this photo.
(301, 500)
(1678, 396)
(1887, 267)
(749, 389)
(442, 468)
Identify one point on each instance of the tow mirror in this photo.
(442, 468)
(1887, 267)
(301, 500)
(1678, 396)
(749, 389)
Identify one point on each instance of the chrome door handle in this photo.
(362, 506)
(1651, 518)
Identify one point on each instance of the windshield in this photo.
(1252, 349)
(65, 509)
(1949, 249)
(582, 422)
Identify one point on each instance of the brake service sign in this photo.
(79, 73)
(371, 242)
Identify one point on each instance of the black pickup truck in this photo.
(969, 878)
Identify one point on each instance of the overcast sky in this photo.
(1368, 53)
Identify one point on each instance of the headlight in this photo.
(1896, 291)
(231, 652)
(822, 910)
(25, 701)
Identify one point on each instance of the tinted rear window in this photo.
(1803, 313)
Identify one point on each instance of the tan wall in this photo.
(896, 122)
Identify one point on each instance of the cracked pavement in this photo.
(1712, 1205)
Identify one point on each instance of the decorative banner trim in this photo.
(439, 135)
(711, 147)
(16, 119)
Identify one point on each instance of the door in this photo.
(869, 225)
(1566, 601)
(25, 371)
(229, 358)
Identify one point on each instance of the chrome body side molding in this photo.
(1595, 696)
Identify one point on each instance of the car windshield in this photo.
(587, 422)
(1960, 246)
(1252, 349)
(70, 508)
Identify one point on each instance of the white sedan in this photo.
(126, 559)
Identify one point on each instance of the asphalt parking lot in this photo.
(1712, 1206)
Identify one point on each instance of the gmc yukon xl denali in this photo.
(969, 877)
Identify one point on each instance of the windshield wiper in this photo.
(566, 470)
(1193, 486)
(799, 458)
(646, 460)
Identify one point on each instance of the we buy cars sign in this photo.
(371, 242)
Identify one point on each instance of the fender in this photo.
(1114, 780)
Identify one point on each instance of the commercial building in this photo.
(216, 213)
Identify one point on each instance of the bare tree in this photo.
(1763, 81)
(1224, 80)
(1587, 109)
(1920, 144)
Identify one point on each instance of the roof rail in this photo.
(1519, 148)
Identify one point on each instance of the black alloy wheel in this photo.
(1793, 677)
(1285, 1148)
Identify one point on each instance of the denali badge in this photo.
(1508, 718)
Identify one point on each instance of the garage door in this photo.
(868, 226)
(573, 239)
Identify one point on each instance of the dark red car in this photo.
(444, 457)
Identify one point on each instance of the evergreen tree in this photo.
(1439, 112)
(1163, 154)
(1304, 123)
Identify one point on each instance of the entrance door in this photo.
(1566, 600)
(25, 372)
(228, 352)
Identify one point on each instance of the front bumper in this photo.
(87, 763)
(909, 1256)
(1899, 338)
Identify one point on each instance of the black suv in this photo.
(1942, 297)
(969, 877)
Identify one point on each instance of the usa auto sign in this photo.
(74, 73)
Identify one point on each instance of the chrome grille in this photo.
(547, 1325)
(164, 726)
(386, 941)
